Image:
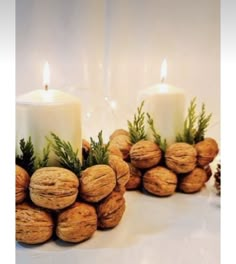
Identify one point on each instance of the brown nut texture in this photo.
(97, 182)
(160, 181)
(120, 189)
(22, 183)
(121, 169)
(85, 145)
(181, 157)
(110, 210)
(33, 225)
(53, 187)
(208, 172)
(135, 178)
(123, 143)
(77, 223)
(119, 132)
(114, 150)
(206, 151)
(85, 148)
(145, 154)
(192, 182)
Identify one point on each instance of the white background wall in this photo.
(114, 48)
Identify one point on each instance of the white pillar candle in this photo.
(166, 105)
(40, 112)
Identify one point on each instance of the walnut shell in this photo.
(160, 181)
(110, 210)
(193, 181)
(53, 187)
(120, 189)
(77, 223)
(181, 157)
(85, 145)
(97, 182)
(122, 142)
(208, 172)
(145, 154)
(119, 132)
(114, 150)
(206, 151)
(121, 169)
(22, 184)
(135, 178)
(85, 148)
(33, 225)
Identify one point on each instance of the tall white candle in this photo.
(166, 104)
(40, 112)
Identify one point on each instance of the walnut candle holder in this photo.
(183, 167)
(74, 207)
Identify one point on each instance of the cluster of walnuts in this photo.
(183, 166)
(55, 200)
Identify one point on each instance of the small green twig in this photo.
(203, 123)
(195, 126)
(98, 153)
(26, 158)
(137, 127)
(43, 162)
(67, 157)
(157, 138)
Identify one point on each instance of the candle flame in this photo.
(46, 75)
(163, 70)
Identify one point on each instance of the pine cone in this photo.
(217, 177)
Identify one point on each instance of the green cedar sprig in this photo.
(137, 128)
(157, 138)
(195, 126)
(98, 153)
(203, 123)
(43, 162)
(26, 158)
(67, 157)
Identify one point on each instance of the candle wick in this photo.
(46, 87)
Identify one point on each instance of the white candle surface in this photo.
(166, 105)
(40, 112)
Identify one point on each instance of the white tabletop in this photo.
(180, 229)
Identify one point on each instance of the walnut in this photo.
(135, 178)
(181, 157)
(77, 223)
(22, 183)
(33, 225)
(122, 142)
(145, 154)
(206, 151)
(193, 181)
(97, 182)
(208, 172)
(119, 132)
(121, 169)
(160, 181)
(110, 210)
(120, 189)
(114, 150)
(53, 187)
(85, 148)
